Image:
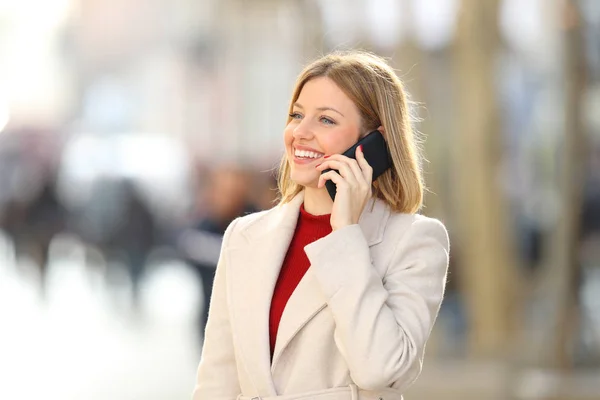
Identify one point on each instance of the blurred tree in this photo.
(560, 284)
(410, 59)
(488, 264)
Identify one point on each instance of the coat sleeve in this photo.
(382, 325)
(217, 377)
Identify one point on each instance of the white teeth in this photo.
(306, 154)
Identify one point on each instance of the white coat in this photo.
(354, 328)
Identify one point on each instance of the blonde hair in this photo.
(381, 100)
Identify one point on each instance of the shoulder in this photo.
(416, 227)
(254, 217)
(417, 243)
(247, 220)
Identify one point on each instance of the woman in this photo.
(322, 299)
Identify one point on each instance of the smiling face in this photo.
(324, 121)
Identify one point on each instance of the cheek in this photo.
(288, 135)
(339, 142)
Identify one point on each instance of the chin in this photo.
(306, 180)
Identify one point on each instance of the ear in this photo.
(382, 130)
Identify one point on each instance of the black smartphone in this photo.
(376, 153)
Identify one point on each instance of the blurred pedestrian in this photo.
(117, 219)
(31, 213)
(264, 191)
(32, 224)
(330, 299)
(223, 198)
(134, 235)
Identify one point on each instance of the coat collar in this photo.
(255, 258)
(284, 216)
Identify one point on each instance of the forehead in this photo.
(323, 92)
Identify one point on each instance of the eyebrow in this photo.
(320, 108)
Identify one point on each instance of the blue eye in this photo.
(295, 116)
(327, 121)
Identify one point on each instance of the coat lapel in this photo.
(308, 300)
(255, 261)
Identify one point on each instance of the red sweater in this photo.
(308, 229)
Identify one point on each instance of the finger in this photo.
(336, 157)
(344, 169)
(343, 158)
(366, 169)
(357, 170)
(363, 178)
(332, 176)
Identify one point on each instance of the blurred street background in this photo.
(133, 131)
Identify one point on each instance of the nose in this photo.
(302, 131)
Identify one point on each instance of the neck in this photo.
(317, 201)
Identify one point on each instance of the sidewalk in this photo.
(463, 380)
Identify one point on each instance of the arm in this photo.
(217, 377)
(382, 327)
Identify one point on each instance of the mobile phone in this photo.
(376, 153)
